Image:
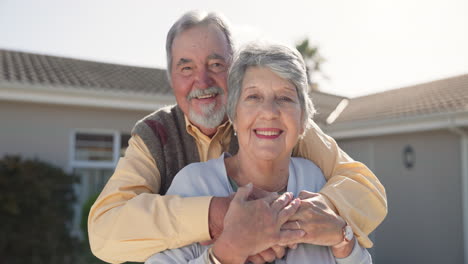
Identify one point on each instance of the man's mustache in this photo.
(215, 90)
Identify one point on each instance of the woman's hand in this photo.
(322, 225)
(252, 226)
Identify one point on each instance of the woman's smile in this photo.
(268, 133)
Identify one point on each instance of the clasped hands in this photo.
(260, 226)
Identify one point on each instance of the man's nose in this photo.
(203, 79)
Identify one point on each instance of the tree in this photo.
(313, 60)
(36, 212)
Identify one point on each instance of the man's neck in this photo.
(209, 132)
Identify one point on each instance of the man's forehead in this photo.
(203, 40)
(213, 56)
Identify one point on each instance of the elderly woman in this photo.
(270, 110)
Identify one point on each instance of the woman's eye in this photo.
(253, 97)
(285, 99)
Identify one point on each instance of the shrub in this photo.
(36, 212)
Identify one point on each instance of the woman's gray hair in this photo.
(192, 19)
(285, 62)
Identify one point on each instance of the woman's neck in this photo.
(267, 175)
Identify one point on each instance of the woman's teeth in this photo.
(268, 133)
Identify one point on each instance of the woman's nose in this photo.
(269, 109)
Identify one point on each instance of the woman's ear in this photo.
(303, 126)
(234, 127)
(302, 130)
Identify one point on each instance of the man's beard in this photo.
(210, 116)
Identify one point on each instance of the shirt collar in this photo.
(196, 133)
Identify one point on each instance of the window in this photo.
(94, 147)
(94, 155)
(93, 158)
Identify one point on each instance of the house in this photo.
(78, 115)
(75, 114)
(415, 139)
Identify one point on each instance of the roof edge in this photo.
(398, 126)
(21, 92)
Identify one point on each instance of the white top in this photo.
(210, 179)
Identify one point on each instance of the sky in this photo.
(369, 45)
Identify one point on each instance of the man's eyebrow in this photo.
(216, 56)
(183, 61)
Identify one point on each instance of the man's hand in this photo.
(218, 208)
(217, 211)
(220, 205)
(252, 226)
(321, 224)
(268, 255)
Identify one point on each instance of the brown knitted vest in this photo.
(166, 138)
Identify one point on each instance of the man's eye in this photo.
(217, 66)
(186, 70)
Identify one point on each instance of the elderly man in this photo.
(133, 219)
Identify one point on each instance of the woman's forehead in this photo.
(257, 77)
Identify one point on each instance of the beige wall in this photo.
(424, 223)
(44, 131)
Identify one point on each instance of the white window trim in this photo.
(95, 164)
(464, 182)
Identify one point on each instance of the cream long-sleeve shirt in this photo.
(130, 222)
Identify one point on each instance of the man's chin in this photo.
(210, 120)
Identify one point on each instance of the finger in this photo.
(280, 251)
(270, 198)
(302, 212)
(292, 246)
(288, 211)
(305, 194)
(259, 193)
(281, 202)
(243, 193)
(268, 255)
(291, 237)
(256, 259)
(293, 225)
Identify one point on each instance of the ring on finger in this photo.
(298, 224)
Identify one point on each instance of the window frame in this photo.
(116, 137)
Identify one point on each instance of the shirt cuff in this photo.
(194, 216)
(359, 255)
(329, 202)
